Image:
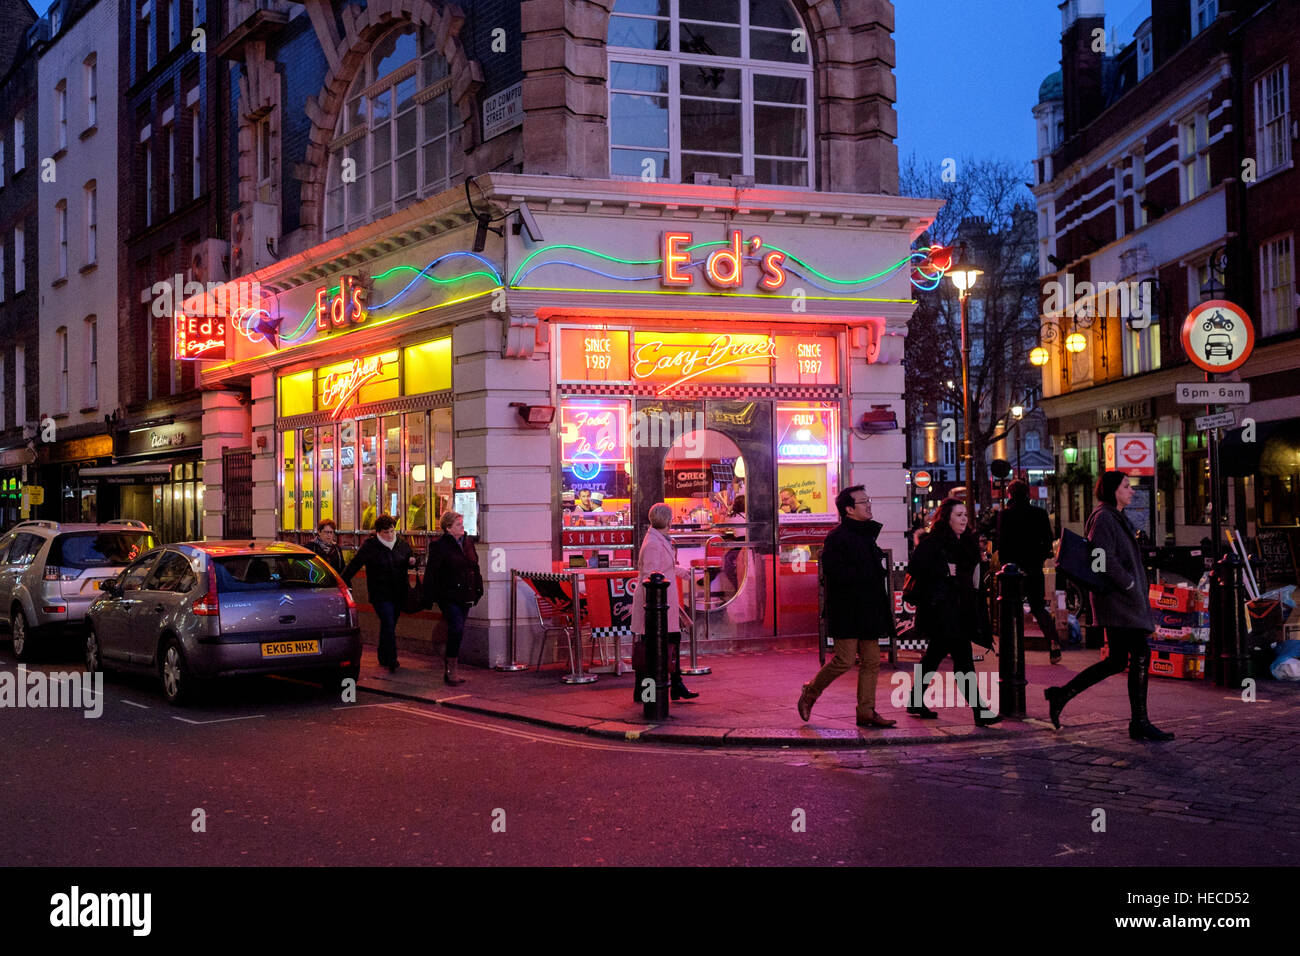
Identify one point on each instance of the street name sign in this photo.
(1212, 393)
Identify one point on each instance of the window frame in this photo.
(92, 361)
(61, 115)
(361, 136)
(749, 67)
(20, 141)
(91, 68)
(1271, 302)
(20, 385)
(20, 258)
(1207, 10)
(1194, 164)
(62, 357)
(196, 148)
(92, 221)
(61, 216)
(1273, 135)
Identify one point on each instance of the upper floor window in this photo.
(20, 258)
(1277, 286)
(398, 136)
(1146, 55)
(92, 362)
(1272, 120)
(61, 215)
(173, 22)
(2, 271)
(145, 34)
(61, 115)
(1139, 190)
(92, 216)
(20, 142)
(196, 148)
(1194, 155)
(61, 356)
(710, 86)
(262, 134)
(2, 160)
(1203, 14)
(198, 12)
(92, 91)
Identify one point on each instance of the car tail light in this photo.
(208, 605)
(53, 572)
(352, 605)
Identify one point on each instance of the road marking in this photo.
(131, 703)
(457, 697)
(356, 706)
(220, 720)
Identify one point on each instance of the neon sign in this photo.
(805, 434)
(657, 358)
(199, 338)
(339, 388)
(346, 308)
(724, 267)
(592, 435)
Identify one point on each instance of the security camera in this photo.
(528, 222)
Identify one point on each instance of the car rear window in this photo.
(270, 572)
(99, 549)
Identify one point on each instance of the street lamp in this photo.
(1018, 412)
(964, 276)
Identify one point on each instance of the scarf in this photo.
(387, 544)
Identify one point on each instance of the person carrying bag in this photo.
(453, 581)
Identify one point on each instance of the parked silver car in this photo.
(199, 610)
(50, 573)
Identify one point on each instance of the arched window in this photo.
(399, 128)
(710, 86)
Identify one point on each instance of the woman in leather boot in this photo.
(1124, 611)
(944, 566)
(453, 581)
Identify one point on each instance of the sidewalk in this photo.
(749, 700)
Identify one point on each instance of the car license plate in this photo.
(290, 648)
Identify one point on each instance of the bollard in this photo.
(656, 645)
(1227, 654)
(1011, 641)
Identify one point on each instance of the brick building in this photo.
(1165, 167)
(500, 244)
(20, 32)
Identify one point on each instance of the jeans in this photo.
(388, 614)
(454, 614)
(1035, 586)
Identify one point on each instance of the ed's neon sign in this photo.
(346, 308)
(197, 338)
(724, 268)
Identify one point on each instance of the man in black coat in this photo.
(386, 559)
(859, 605)
(1025, 540)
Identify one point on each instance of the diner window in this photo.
(289, 480)
(595, 437)
(807, 457)
(398, 134)
(1273, 120)
(325, 483)
(710, 86)
(348, 476)
(1277, 286)
(369, 472)
(1194, 156)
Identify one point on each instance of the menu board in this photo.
(1277, 557)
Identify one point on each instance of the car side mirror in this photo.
(108, 586)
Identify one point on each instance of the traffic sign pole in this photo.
(1216, 522)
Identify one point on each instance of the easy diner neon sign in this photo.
(724, 268)
(653, 359)
(339, 388)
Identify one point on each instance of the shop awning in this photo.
(154, 469)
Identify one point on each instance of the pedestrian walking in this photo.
(453, 581)
(1124, 612)
(859, 605)
(1024, 538)
(326, 544)
(386, 559)
(945, 569)
(658, 556)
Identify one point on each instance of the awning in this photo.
(143, 472)
(1239, 459)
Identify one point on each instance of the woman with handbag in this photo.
(387, 560)
(453, 581)
(1122, 609)
(943, 589)
(658, 556)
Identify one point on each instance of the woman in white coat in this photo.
(657, 556)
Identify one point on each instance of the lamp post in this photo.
(1018, 413)
(964, 276)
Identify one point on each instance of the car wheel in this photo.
(94, 653)
(22, 634)
(176, 679)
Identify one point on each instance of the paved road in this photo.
(284, 775)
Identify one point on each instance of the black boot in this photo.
(1140, 728)
(679, 691)
(1057, 698)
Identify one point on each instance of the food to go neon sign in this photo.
(724, 267)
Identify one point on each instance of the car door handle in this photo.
(288, 619)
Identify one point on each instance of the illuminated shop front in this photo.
(738, 432)
(367, 436)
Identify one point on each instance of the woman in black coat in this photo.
(326, 544)
(1124, 612)
(943, 569)
(453, 581)
(386, 559)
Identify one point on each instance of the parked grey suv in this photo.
(199, 610)
(50, 573)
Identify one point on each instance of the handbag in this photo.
(1074, 562)
(414, 597)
